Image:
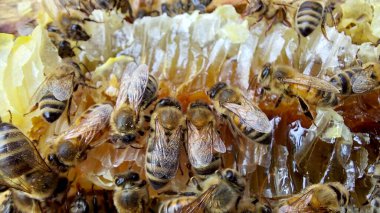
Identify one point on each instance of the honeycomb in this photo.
(190, 52)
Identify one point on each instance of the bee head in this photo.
(125, 138)
(55, 162)
(234, 178)
(130, 177)
(76, 32)
(79, 204)
(214, 90)
(199, 104)
(67, 152)
(62, 185)
(165, 102)
(264, 76)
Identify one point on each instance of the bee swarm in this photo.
(187, 50)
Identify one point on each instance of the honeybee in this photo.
(271, 10)
(22, 167)
(244, 117)
(71, 146)
(203, 143)
(284, 80)
(18, 201)
(131, 194)
(55, 92)
(67, 20)
(23, 203)
(79, 204)
(162, 153)
(252, 205)
(328, 197)
(175, 204)
(310, 14)
(137, 91)
(343, 80)
(220, 192)
(366, 80)
(375, 194)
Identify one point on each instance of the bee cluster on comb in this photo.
(192, 106)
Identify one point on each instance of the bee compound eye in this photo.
(230, 176)
(133, 176)
(119, 181)
(128, 138)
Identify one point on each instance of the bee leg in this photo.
(237, 202)
(278, 101)
(274, 20)
(195, 181)
(34, 108)
(68, 110)
(141, 147)
(305, 108)
(10, 116)
(323, 29)
(86, 85)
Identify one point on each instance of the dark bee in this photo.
(137, 91)
(244, 117)
(204, 144)
(71, 146)
(162, 153)
(56, 91)
(131, 194)
(311, 14)
(22, 168)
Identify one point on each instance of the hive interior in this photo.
(188, 53)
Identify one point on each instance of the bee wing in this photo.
(92, 121)
(40, 91)
(166, 151)
(30, 159)
(311, 81)
(362, 82)
(302, 202)
(133, 85)
(250, 115)
(199, 204)
(61, 86)
(199, 146)
(217, 142)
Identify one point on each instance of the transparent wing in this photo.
(40, 92)
(311, 81)
(362, 82)
(199, 204)
(301, 202)
(61, 86)
(91, 122)
(26, 160)
(250, 115)
(133, 84)
(201, 144)
(166, 151)
(217, 142)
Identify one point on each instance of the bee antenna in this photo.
(10, 116)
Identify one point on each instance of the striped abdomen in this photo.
(308, 17)
(209, 169)
(343, 81)
(160, 172)
(17, 155)
(51, 108)
(176, 204)
(328, 99)
(251, 134)
(150, 93)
